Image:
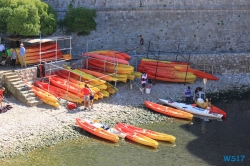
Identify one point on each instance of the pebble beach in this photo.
(24, 128)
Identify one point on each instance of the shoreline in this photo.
(24, 129)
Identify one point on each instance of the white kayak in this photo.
(191, 109)
(108, 129)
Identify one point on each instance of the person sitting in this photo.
(204, 104)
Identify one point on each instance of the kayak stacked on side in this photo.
(191, 109)
(166, 71)
(45, 96)
(100, 132)
(58, 92)
(148, 133)
(198, 73)
(137, 137)
(169, 111)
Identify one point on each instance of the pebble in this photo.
(26, 128)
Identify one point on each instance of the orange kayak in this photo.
(148, 133)
(137, 137)
(169, 111)
(77, 83)
(107, 53)
(58, 92)
(106, 68)
(188, 80)
(66, 85)
(99, 75)
(100, 132)
(109, 59)
(113, 53)
(198, 73)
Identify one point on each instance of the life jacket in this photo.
(188, 92)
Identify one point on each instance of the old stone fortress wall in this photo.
(215, 34)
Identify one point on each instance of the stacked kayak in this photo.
(120, 71)
(46, 52)
(100, 132)
(46, 97)
(198, 73)
(106, 58)
(148, 133)
(169, 111)
(166, 71)
(112, 53)
(191, 109)
(58, 92)
(137, 137)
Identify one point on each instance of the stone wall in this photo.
(194, 26)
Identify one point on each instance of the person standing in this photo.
(143, 81)
(91, 98)
(2, 48)
(188, 95)
(8, 56)
(141, 46)
(13, 57)
(22, 55)
(86, 92)
(1, 96)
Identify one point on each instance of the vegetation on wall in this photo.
(27, 18)
(80, 21)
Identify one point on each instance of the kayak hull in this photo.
(169, 111)
(191, 109)
(97, 131)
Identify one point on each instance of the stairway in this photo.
(16, 86)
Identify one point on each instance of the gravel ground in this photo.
(25, 128)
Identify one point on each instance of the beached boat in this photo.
(191, 109)
(169, 111)
(109, 129)
(100, 132)
(137, 137)
(148, 133)
(212, 108)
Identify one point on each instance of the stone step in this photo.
(17, 83)
(22, 87)
(28, 94)
(9, 73)
(34, 102)
(9, 77)
(15, 80)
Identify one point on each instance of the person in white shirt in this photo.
(143, 81)
(2, 48)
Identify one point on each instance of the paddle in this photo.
(205, 82)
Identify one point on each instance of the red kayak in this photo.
(148, 133)
(137, 137)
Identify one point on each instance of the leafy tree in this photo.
(27, 17)
(79, 20)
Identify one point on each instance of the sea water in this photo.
(198, 142)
